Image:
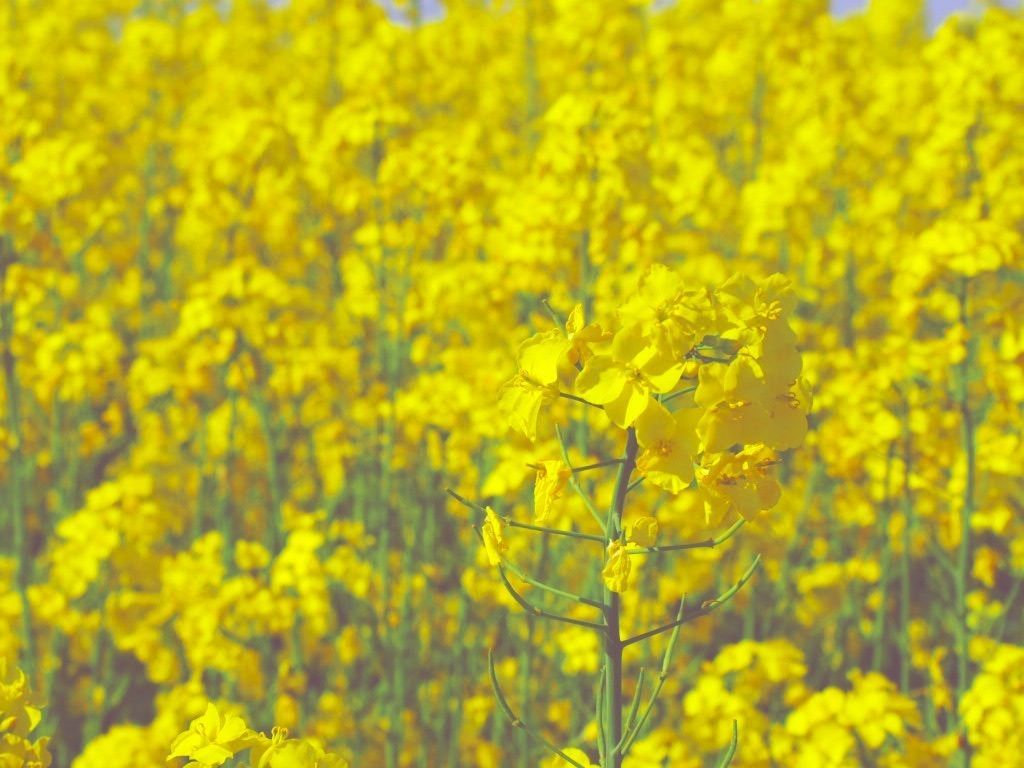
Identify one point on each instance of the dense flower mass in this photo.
(275, 275)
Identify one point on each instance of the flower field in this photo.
(550, 383)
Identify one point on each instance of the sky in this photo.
(938, 10)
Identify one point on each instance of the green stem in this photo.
(704, 610)
(552, 531)
(634, 707)
(907, 504)
(613, 644)
(878, 659)
(548, 588)
(598, 465)
(599, 707)
(516, 721)
(275, 531)
(526, 526)
(730, 751)
(630, 736)
(578, 399)
(16, 462)
(963, 563)
(678, 393)
(577, 488)
(535, 611)
(706, 544)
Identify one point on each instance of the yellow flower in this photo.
(739, 482)
(552, 477)
(669, 441)
(282, 752)
(541, 355)
(734, 397)
(616, 568)
(521, 399)
(668, 317)
(643, 532)
(211, 740)
(17, 715)
(494, 539)
(623, 381)
(877, 709)
(581, 335)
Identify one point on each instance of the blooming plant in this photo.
(702, 387)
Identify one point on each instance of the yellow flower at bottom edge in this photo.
(212, 740)
(282, 752)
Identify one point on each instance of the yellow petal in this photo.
(629, 405)
(494, 539)
(615, 573)
(540, 355)
(574, 323)
(601, 380)
(552, 477)
(644, 531)
(711, 385)
(212, 754)
(654, 424)
(233, 728)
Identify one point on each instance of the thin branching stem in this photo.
(535, 611)
(516, 721)
(634, 706)
(552, 531)
(527, 526)
(706, 544)
(553, 590)
(704, 610)
(666, 660)
(730, 751)
(577, 488)
(578, 399)
(678, 393)
(599, 703)
(598, 465)
(554, 315)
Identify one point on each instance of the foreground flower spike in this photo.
(702, 386)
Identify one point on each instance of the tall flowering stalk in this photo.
(701, 390)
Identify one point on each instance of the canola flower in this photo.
(211, 740)
(275, 275)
